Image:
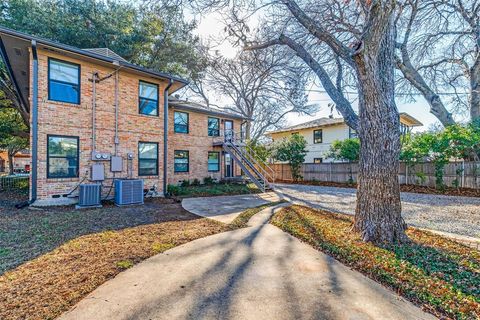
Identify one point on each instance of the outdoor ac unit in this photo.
(89, 195)
(128, 191)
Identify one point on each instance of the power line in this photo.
(398, 94)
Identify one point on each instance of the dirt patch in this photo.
(448, 191)
(50, 284)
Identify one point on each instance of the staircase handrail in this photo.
(248, 162)
(262, 164)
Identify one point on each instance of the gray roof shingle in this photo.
(321, 122)
(195, 106)
(107, 53)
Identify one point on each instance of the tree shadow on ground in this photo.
(214, 293)
(28, 233)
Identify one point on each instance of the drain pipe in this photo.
(116, 139)
(94, 107)
(34, 169)
(165, 136)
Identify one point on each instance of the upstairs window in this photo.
(213, 127)
(213, 161)
(62, 157)
(317, 136)
(181, 161)
(352, 133)
(147, 159)
(63, 81)
(148, 98)
(180, 120)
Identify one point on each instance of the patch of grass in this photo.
(124, 264)
(242, 219)
(161, 247)
(28, 233)
(47, 286)
(439, 274)
(217, 189)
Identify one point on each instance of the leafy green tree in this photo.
(150, 34)
(292, 150)
(261, 151)
(346, 150)
(454, 142)
(10, 124)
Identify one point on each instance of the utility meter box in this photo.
(116, 164)
(98, 172)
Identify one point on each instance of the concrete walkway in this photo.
(226, 208)
(259, 272)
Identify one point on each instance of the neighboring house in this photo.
(117, 120)
(321, 133)
(21, 162)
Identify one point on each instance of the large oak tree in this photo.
(359, 39)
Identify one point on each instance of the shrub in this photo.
(185, 183)
(293, 150)
(173, 190)
(209, 180)
(195, 182)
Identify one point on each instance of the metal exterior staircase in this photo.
(257, 171)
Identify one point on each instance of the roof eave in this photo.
(49, 43)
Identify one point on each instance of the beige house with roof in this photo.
(321, 133)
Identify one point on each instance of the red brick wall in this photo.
(58, 118)
(198, 143)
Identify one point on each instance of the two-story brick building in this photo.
(97, 117)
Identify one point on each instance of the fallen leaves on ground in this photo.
(46, 286)
(441, 275)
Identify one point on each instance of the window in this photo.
(352, 133)
(213, 127)
(63, 81)
(147, 158)
(213, 161)
(148, 98)
(181, 161)
(62, 157)
(317, 160)
(317, 136)
(180, 122)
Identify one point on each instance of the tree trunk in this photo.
(378, 212)
(10, 163)
(475, 90)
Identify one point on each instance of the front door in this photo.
(228, 165)
(228, 127)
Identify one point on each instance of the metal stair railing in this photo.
(249, 164)
(245, 156)
(255, 180)
(264, 167)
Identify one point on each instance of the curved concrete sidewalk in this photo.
(259, 272)
(226, 208)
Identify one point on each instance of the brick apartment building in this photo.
(93, 113)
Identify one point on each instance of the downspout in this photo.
(94, 107)
(34, 169)
(116, 138)
(165, 136)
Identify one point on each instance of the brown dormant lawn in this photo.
(438, 274)
(51, 283)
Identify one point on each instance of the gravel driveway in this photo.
(460, 215)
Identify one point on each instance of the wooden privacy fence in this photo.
(461, 174)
